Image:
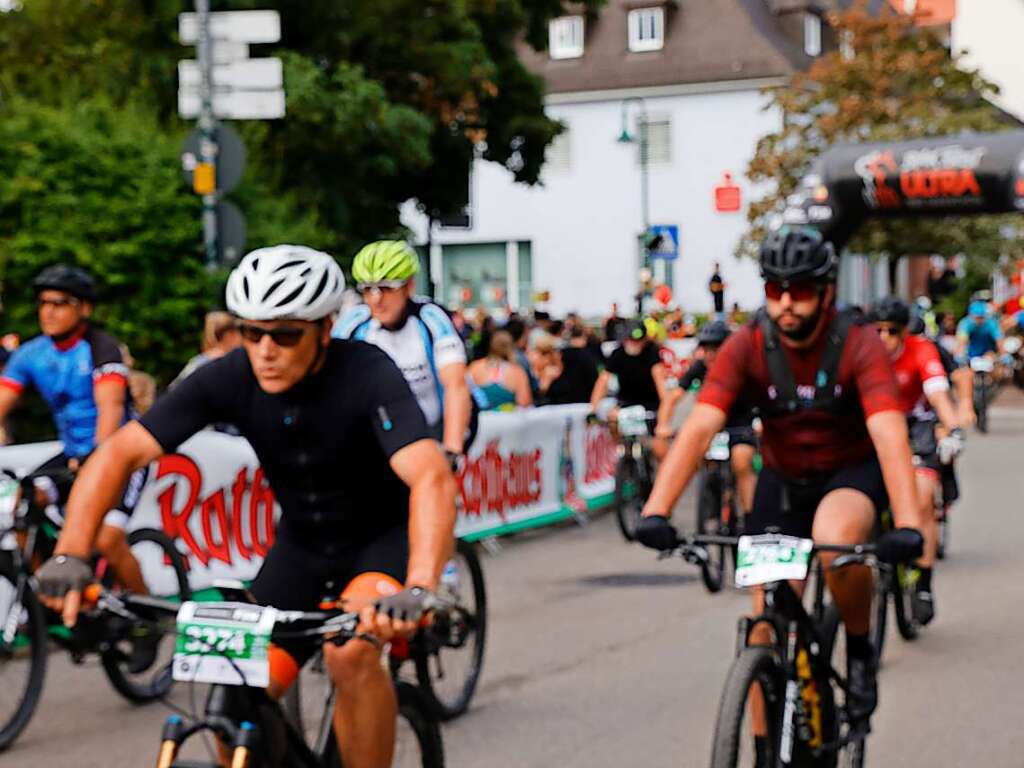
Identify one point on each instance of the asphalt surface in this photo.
(599, 655)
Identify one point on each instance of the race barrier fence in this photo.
(526, 469)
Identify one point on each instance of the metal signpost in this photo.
(224, 83)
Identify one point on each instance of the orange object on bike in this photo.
(283, 668)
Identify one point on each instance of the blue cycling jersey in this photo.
(65, 374)
(982, 337)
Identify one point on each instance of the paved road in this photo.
(601, 656)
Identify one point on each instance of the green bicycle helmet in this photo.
(385, 260)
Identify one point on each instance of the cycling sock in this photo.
(924, 581)
(858, 646)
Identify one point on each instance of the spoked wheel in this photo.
(709, 522)
(904, 584)
(163, 570)
(630, 493)
(418, 742)
(754, 676)
(449, 662)
(22, 655)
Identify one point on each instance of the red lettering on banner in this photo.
(176, 525)
(261, 495)
(493, 483)
(944, 182)
(236, 513)
(230, 528)
(600, 454)
(214, 505)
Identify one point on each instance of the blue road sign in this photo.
(663, 241)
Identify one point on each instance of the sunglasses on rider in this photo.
(381, 286)
(284, 336)
(57, 303)
(888, 330)
(800, 291)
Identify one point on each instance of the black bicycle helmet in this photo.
(891, 309)
(67, 278)
(916, 326)
(713, 334)
(633, 330)
(794, 253)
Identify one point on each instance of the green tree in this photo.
(893, 82)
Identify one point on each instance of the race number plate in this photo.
(8, 502)
(719, 448)
(224, 643)
(761, 559)
(633, 421)
(982, 364)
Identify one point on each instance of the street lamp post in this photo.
(625, 137)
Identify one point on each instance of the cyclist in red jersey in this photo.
(924, 395)
(835, 443)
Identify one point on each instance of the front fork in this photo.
(175, 732)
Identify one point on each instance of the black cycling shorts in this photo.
(295, 577)
(742, 435)
(790, 507)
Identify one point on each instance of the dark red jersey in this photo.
(808, 443)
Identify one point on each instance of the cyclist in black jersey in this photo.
(346, 449)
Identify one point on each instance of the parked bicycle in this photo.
(27, 536)
(793, 679)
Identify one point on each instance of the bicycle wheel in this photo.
(981, 404)
(709, 522)
(903, 584)
(163, 569)
(629, 498)
(418, 742)
(755, 669)
(451, 655)
(22, 656)
(943, 546)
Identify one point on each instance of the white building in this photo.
(989, 32)
(697, 69)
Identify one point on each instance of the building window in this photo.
(565, 37)
(647, 29)
(846, 49)
(659, 141)
(812, 34)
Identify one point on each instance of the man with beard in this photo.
(835, 444)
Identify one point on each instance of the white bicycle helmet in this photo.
(285, 282)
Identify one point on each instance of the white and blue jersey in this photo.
(425, 344)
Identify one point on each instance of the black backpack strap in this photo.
(828, 372)
(786, 400)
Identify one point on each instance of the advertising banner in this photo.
(950, 175)
(525, 469)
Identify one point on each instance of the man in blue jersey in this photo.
(417, 335)
(80, 373)
(978, 334)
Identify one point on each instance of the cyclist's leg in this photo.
(846, 516)
(112, 540)
(927, 484)
(366, 708)
(743, 471)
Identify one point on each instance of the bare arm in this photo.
(8, 397)
(943, 405)
(660, 376)
(100, 484)
(457, 406)
(422, 467)
(680, 465)
(600, 390)
(888, 431)
(110, 399)
(521, 386)
(963, 383)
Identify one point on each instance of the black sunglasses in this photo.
(285, 336)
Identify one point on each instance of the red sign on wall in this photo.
(728, 197)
